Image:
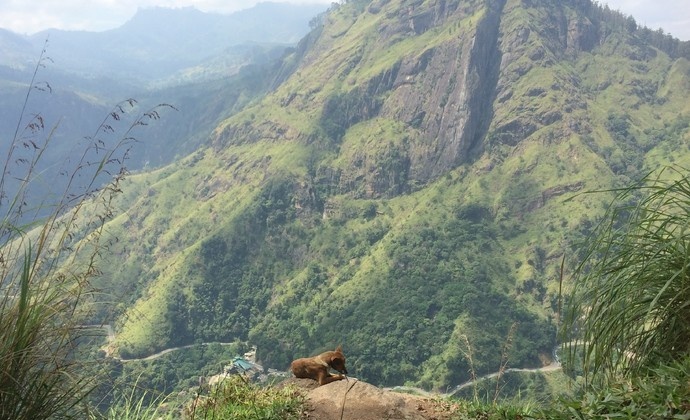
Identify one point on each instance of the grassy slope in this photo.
(348, 280)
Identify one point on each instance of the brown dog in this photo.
(317, 367)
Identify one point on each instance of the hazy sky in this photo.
(30, 16)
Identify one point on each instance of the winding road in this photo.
(548, 368)
(554, 366)
(110, 334)
(166, 351)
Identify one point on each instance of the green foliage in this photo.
(233, 284)
(515, 409)
(630, 304)
(630, 159)
(136, 405)
(325, 214)
(49, 258)
(428, 276)
(167, 379)
(31, 386)
(237, 398)
(540, 388)
(661, 393)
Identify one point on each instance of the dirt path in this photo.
(549, 368)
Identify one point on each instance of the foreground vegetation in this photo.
(237, 398)
(49, 254)
(631, 302)
(661, 394)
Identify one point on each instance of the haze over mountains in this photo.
(158, 42)
(179, 56)
(406, 182)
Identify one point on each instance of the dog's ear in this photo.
(339, 349)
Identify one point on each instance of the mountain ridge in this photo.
(351, 205)
(158, 42)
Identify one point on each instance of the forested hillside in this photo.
(83, 77)
(408, 188)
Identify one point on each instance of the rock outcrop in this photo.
(358, 400)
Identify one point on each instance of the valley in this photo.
(415, 180)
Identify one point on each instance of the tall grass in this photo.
(136, 405)
(48, 255)
(237, 398)
(630, 308)
(663, 394)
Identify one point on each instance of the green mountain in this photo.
(84, 75)
(408, 188)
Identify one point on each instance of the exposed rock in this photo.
(209, 187)
(582, 35)
(358, 400)
(549, 193)
(306, 203)
(515, 130)
(252, 132)
(382, 172)
(560, 190)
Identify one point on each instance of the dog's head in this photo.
(336, 360)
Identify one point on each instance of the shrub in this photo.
(661, 394)
(236, 398)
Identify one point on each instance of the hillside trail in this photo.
(169, 350)
(110, 336)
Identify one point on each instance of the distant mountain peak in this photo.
(158, 42)
(162, 17)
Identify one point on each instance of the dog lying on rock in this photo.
(317, 367)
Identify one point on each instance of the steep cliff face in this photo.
(417, 82)
(445, 94)
(436, 66)
(439, 94)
